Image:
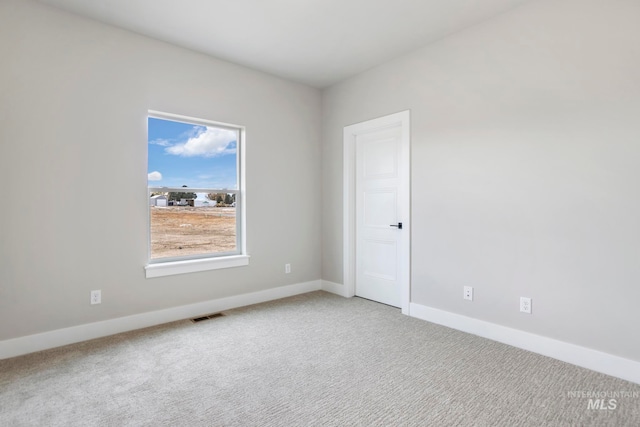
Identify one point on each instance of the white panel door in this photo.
(378, 231)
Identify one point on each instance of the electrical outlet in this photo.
(525, 305)
(287, 268)
(96, 297)
(468, 293)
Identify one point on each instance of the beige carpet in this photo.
(311, 360)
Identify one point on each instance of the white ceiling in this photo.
(317, 42)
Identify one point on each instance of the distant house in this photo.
(198, 203)
(158, 200)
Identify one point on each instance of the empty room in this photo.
(305, 212)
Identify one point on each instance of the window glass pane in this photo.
(184, 156)
(193, 155)
(188, 227)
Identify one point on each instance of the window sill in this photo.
(195, 265)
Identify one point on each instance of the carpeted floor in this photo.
(310, 360)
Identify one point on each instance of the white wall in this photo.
(74, 96)
(525, 169)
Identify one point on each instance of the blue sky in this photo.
(195, 156)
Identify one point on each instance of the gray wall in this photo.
(74, 95)
(525, 169)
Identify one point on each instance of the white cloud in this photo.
(161, 142)
(212, 142)
(154, 176)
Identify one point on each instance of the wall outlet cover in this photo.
(468, 293)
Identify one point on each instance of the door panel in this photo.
(375, 254)
(380, 158)
(375, 204)
(377, 192)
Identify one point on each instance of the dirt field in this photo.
(180, 231)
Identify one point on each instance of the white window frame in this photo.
(190, 264)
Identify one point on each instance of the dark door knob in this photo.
(399, 225)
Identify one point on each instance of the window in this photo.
(196, 199)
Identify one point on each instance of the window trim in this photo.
(170, 266)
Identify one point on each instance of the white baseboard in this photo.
(334, 288)
(37, 342)
(594, 360)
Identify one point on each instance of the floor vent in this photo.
(207, 317)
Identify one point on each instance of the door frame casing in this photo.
(351, 132)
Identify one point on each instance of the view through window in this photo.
(194, 191)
